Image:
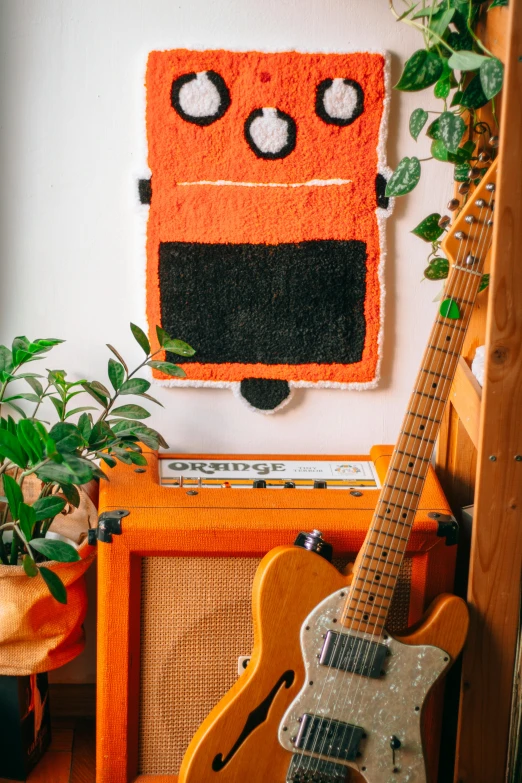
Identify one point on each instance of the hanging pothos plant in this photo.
(466, 77)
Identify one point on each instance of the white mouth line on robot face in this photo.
(311, 183)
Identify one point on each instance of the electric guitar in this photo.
(329, 695)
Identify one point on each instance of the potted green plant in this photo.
(43, 470)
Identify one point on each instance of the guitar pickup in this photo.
(353, 654)
(328, 737)
(304, 768)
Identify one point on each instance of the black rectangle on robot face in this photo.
(292, 303)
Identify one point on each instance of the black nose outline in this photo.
(284, 151)
(220, 85)
(323, 114)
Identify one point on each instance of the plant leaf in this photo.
(27, 519)
(100, 398)
(440, 20)
(172, 369)
(55, 550)
(67, 437)
(34, 383)
(429, 229)
(82, 470)
(497, 3)
(6, 359)
(55, 584)
(48, 507)
(71, 493)
(442, 89)
(30, 440)
(437, 270)
(141, 338)
(118, 356)
(466, 61)
(13, 494)
(12, 449)
(473, 96)
(80, 410)
(491, 77)
(178, 347)
(405, 177)
(451, 130)
(421, 70)
(131, 412)
(484, 282)
(59, 406)
(29, 566)
(135, 386)
(85, 426)
(100, 388)
(116, 373)
(418, 120)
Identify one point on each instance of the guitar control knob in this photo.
(320, 484)
(259, 484)
(315, 542)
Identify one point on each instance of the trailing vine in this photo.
(466, 77)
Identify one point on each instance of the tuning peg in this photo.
(494, 141)
(460, 235)
(470, 219)
(470, 260)
(484, 157)
(480, 203)
(474, 173)
(464, 188)
(453, 204)
(491, 187)
(444, 221)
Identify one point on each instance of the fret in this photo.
(420, 416)
(438, 375)
(391, 503)
(392, 536)
(444, 350)
(407, 454)
(417, 437)
(366, 611)
(384, 548)
(376, 587)
(453, 326)
(391, 519)
(406, 473)
(406, 491)
(430, 396)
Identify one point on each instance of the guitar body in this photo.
(239, 741)
(289, 583)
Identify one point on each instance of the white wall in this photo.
(71, 249)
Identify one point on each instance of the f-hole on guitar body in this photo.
(330, 696)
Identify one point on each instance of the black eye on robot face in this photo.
(339, 101)
(200, 98)
(270, 133)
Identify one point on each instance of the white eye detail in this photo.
(339, 101)
(201, 98)
(270, 133)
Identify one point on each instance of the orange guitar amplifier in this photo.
(175, 579)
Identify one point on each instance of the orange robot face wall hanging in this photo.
(265, 230)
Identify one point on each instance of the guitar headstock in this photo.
(472, 230)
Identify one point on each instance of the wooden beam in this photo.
(465, 396)
(496, 553)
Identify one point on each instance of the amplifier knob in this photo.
(259, 484)
(320, 484)
(289, 485)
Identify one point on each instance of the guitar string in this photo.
(397, 522)
(436, 333)
(356, 647)
(358, 643)
(468, 289)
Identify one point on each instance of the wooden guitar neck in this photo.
(378, 565)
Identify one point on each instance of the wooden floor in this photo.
(70, 759)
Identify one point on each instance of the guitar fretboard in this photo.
(381, 556)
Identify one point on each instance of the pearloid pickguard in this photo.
(383, 707)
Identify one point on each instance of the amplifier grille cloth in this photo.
(195, 623)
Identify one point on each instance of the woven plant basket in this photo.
(38, 634)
